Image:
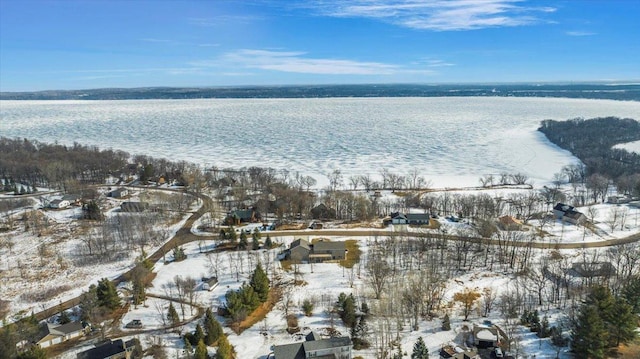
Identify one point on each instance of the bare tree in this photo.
(379, 273)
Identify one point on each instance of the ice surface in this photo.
(450, 141)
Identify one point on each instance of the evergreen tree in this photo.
(178, 254)
(201, 351)
(172, 315)
(22, 190)
(212, 327)
(307, 307)
(590, 335)
(92, 211)
(267, 242)
(260, 283)
(232, 235)
(107, 294)
(349, 312)
(446, 322)
(544, 328)
(188, 348)
(420, 350)
(198, 335)
(243, 240)
(64, 317)
(631, 292)
(622, 323)
(255, 239)
(225, 350)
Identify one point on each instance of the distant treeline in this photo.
(592, 142)
(590, 91)
(34, 163)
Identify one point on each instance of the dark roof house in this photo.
(301, 250)
(315, 347)
(568, 213)
(117, 349)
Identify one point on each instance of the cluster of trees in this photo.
(240, 303)
(592, 141)
(12, 333)
(99, 300)
(603, 321)
(32, 163)
(211, 335)
(353, 319)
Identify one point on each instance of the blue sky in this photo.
(70, 44)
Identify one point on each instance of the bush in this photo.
(307, 307)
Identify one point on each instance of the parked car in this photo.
(498, 353)
(134, 324)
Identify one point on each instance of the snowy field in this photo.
(450, 141)
(42, 266)
(322, 283)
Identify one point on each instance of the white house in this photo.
(52, 334)
(59, 203)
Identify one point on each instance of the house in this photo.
(209, 283)
(486, 335)
(418, 219)
(59, 204)
(399, 218)
(322, 212)
(119, 193)
(301, 250)
(568, 213)
(51, 334)
(242, 216)
(74, 199)
(619, 199)
(591, 270)
(327, 251)
(509, 223)
(134, 206)
(456, 352)
(315, 347)
(117, 349)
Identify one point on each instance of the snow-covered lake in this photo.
(451, 141)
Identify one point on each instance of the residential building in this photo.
(51, 334)
(117, 349)
(315, 347)
(301, 250)
(59, 204)
(568, 214)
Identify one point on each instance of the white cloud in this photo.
(296, 61)
(580, 33)
(437, 15)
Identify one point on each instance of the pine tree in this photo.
(420, 350)
(107, 294)
(307, 307)
(201, 351)
(622, 323)
(631, 292)
(349, 312)
(64, 317)
(255, 239)
(232, 235)
(260, 283)
(212, 327)
(172, 315)
(225, 350)
(188, 348)
(198, 335)
(590, 335)
(267, 242)
(446, 322)
(243, 240)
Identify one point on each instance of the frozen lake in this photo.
(451, 141)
